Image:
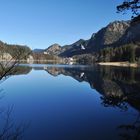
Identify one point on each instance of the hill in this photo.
(118, 41)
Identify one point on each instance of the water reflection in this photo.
(114, 84)
(118, 87)
(131, 131)
(9, 129)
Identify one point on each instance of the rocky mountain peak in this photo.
(108, 35)
(118, 26)
(53, 49)
(115, 33)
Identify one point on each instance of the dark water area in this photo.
(62, 102)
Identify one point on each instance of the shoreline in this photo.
(119, 64)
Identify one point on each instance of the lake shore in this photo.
(122, 64)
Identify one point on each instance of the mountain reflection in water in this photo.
(118, 88)
(116, 85)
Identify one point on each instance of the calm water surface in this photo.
(73, 102)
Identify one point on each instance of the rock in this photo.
(54, 49)
(6, 57)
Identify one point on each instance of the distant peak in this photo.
(55, 44)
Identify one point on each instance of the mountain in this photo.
(68, 50)
(132, 33)
(118, 41)
(79, 47)
(108, 35)
(54, 49)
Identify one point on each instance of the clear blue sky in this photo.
(40, 23)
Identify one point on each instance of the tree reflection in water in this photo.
(114, 102)
(9, 130)
(131, 131)
(118, 87)
(127, 131)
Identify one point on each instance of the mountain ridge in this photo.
(116, 33)
(118, 41)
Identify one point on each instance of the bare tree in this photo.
(8, 62)
(131, 131)
(10, 131)
(133, 5)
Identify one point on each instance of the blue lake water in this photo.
(62, 102)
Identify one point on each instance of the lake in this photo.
(71, 102)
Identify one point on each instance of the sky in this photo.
(41, 23)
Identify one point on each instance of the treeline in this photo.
(42, 56)
(129, 52)
(15, 51)
(19, 52)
